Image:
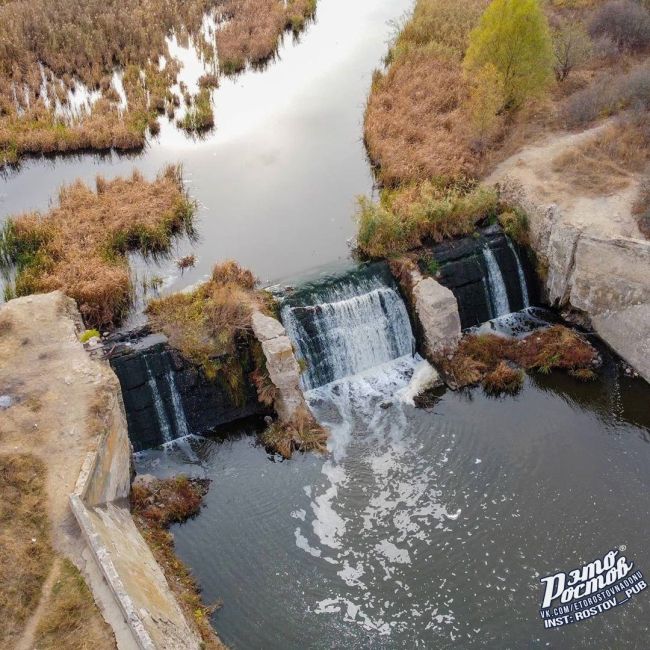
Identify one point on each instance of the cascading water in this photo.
(520, 273)
(352, 325)
(498, 292)
(159, 406)
(177, 405)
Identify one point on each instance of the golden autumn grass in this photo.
(26, 555)
(207, 326)
(156, 505)
(80, 245)
(607, 163)
(48, 48)
(70, 619)
(253, 29)
(494, 360)
(416, 123)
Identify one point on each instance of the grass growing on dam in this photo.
(207, 325)
(494, 361)
(407, 217)
(80, 246)
(156, 505)
(26, 555)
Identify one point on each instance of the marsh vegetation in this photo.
(80, 246)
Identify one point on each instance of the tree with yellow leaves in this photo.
(514, 37)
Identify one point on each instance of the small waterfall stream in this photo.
(520, 274)
(498, 291)
(177, 405)
(159, 406)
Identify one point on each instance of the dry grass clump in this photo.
(155, 505)
(412, 215)
(209, 324)
(26, 555)
(488, 358)
(71, 619)
(252, 29)
(503, 379)
(606, 163)
(416, 122)
(80, 245)
(303, 433)
(199, 116)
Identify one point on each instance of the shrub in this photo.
(481, 358)
(80, 246)
(608, 96)
(571, 47)
(513, 35)
(625, 22)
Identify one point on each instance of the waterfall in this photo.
(163, 422)
(522, 278)
(498, 293)
(177, 406)
(353, 325)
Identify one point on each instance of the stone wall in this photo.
(148, 369)
(604, 277)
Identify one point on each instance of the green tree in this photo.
(513, 35)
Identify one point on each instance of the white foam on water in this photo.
(400, 507)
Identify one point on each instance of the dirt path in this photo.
(607, 215)
(48, 385)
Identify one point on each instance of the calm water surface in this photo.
(425, 529)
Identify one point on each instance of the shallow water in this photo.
(424, 528)
(277, 179)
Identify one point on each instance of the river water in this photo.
(424, 529)
(277, 179)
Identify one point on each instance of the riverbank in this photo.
(64, 409)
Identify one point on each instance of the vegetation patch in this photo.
(80, 246)
(607, 162)
(52, 51)
(303, 433)
(253, 29)
(26, 556)
(210, 324)
(408, 217)
(199, 116)
(489, 359)
(156, 505)
(71, 619)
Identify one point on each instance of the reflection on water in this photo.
(424, 529)
(277, 179)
